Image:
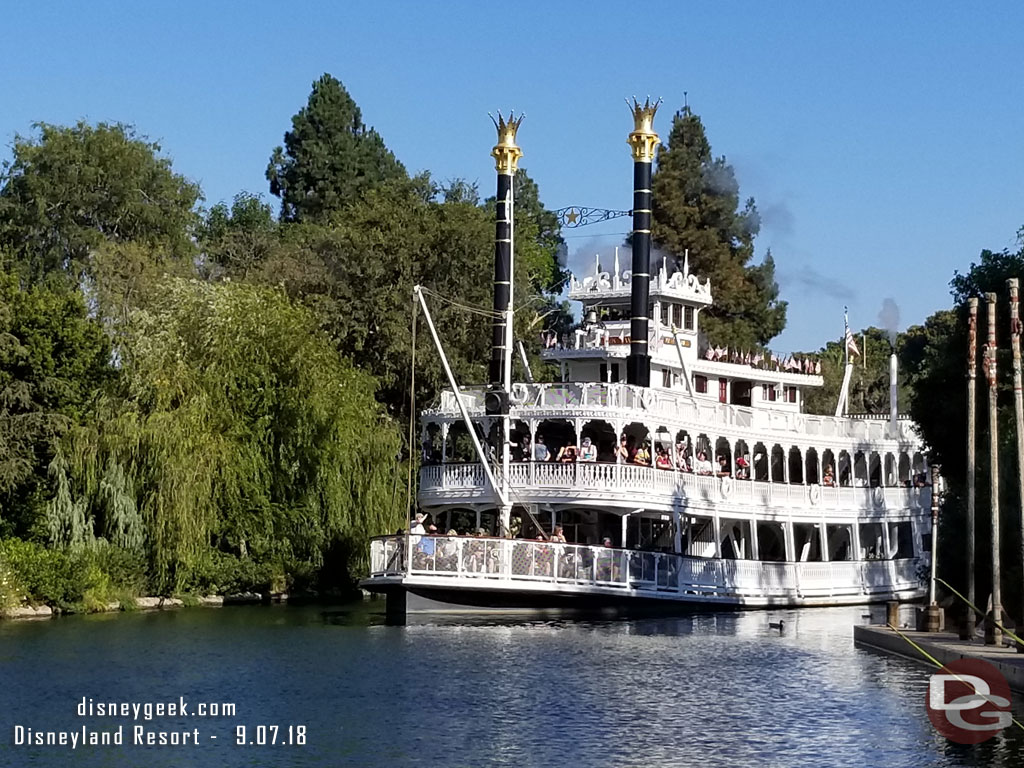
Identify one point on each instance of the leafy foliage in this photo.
(330, 157)
(69, 189)
(52, 359)
(697, 207)
(236, 429)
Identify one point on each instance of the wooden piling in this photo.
(972, 395)
(994, 635)
(1018, 404)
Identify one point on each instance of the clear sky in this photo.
(883, 142)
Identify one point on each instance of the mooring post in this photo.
(1018, 405)
(933, 619)
(972, 396)
(993, 635)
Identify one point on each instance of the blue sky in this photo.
(883, 142)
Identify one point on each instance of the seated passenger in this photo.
(558, 535)
(742, 468)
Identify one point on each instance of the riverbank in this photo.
(945, 647)
(30, 612)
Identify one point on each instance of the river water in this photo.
(707, 689)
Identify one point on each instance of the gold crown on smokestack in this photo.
(506, 152)
(643, 139)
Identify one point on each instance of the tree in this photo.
(934, 357)
(329, 157)
(869, 381)
(696, 207)
(53, 360)
(68, 190)
(236, 432)
(240, 238)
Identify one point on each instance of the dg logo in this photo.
(969, 701)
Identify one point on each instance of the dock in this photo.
(944, 646)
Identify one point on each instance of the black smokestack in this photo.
(506, 160)
(502, 275)
(644, 141)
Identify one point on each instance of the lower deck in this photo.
(448, 573)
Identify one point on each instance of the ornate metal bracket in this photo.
(576, 216)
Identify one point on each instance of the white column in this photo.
(755, 549)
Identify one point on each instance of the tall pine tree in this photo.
(697, 207)
(329, 156)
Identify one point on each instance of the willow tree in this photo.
(237, 432)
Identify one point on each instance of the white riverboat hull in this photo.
(474, 575)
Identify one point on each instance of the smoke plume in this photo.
(889, 319)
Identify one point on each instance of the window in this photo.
(700, 383)
(769, 392)
(723, 390)
(615, 373)
(677, 315)
(666, 314)
(790, 394)
(603, 376)
(688, 319)
(666, 378)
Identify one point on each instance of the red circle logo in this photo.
(969, 701)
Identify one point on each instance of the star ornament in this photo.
(572, 217)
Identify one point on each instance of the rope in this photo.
(940, 665)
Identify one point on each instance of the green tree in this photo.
(53, 360)
(935, 360)
(68, 190)
(869, 381)
(329, 157)
(239, 238)
(236, 432)
(697, 207)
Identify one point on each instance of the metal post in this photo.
(935, 533)
(972, 394)
(995, 636)
(1018, 404)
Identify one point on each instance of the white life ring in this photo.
(878, 494)
(814, 492)
(518, 394)
(727, 487)
(647, 398)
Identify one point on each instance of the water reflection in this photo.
(719, 689)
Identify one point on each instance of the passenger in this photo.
(558, 535)
(417, 528)
(607, 542)
(588, 452)
(623, 451)
(703, 466)
(829, 480)
(662, 461)
(567, 454)
(540, 451)
(742, 468)
(642, 455)
(723, 467)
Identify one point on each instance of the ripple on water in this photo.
(708, 689)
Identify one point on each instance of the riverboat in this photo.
(710, 487)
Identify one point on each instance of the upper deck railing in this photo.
(537, 564)
(644, 404)
(631, 483)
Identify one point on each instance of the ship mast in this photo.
(506, 156)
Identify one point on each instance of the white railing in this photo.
(535, 478)
(517, 560)
(540, 400)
